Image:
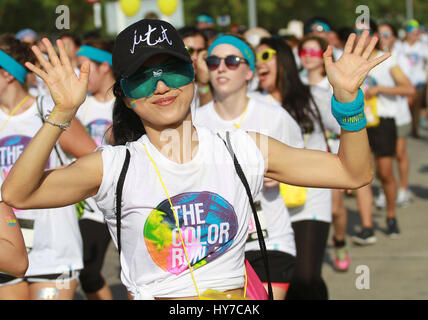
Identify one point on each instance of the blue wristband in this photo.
(350, 116)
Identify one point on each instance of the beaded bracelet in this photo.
(62, 126)
(350, 116)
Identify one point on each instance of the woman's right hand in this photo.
(67, 90)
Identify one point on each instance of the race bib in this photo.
(252, 232)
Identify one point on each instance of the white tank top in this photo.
(52, 236)
(212, 207)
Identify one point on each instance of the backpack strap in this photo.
(260, 237)
(40, 110)
(119, 189)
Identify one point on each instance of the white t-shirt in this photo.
(52, 236)
(416, 55)
(318, 201)
(273, 121)
(97, 118)
(323, 84)
(387, 105)
(403, 115)
(212, 207)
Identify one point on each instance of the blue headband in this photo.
(240, 45)
(95, 54)
(12, 66)
(325, 26)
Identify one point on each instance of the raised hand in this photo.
(67, 90)
(348, 73)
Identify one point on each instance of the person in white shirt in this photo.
(383, 89)
(51, 236)
(233, 109)
(188, 199)
(310, 107)
(416, 53)
(96, 115)
(311, 50)
(403, 119)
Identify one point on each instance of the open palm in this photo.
(348, 73)
(67, 90)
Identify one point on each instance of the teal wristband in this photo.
(350, 116)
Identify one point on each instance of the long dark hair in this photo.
(295, 96)
(127, 125)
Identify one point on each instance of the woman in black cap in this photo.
(184, 211)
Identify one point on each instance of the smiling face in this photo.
(166, 107)
(224, 80)
(267, 71)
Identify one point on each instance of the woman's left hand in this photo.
(348, 73)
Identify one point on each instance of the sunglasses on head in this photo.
(232, 62)
(191, 50)
(265, 55)
(315, 53)
(143, 84)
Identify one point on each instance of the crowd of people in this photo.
(253, 113)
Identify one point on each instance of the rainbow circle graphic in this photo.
(208, 225)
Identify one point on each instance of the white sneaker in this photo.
(380, 201)
(403, 197)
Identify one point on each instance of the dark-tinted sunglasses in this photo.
(191, 50)
(232, 62)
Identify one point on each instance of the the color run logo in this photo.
(11, 148)
(97, 130)
(208, 225)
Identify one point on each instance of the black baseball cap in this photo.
(141, 41)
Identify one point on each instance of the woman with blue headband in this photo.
(96, 115)
(233, 109)
(52, 237)
(184, 212)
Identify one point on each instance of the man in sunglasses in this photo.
(196, 44)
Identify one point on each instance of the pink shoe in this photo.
(342, 260)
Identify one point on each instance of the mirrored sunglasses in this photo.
(315, 53)
(143, 84)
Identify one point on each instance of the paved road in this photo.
(390, 269)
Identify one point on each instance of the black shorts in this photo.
(383, 138)
(281, 265)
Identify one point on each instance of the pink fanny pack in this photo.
(255, 288)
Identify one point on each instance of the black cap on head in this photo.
(141, 41)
